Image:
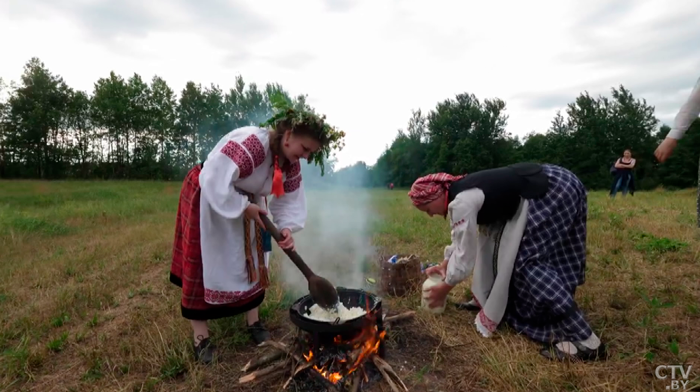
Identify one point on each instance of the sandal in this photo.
(258, 333)
(204, 351)
(551, 352)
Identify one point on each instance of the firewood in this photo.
(356, 382)
(301, 367)
(262, 373)
(263, 360)
(283, 347)
(389, 375)
(398, 317)
(354, 354)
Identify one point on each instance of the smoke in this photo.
(336, 241)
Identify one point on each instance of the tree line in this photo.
(464, 134)
(136, 129)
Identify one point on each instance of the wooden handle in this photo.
(293, 255)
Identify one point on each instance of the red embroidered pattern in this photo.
(293, 170)
(217, 297)
(240, 157)
(292, 185)
(255, 148)
(458, 223)
(487, 322)
(476, 301)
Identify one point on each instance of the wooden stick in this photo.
(401, 316)
(283, 347)
(262, 361)
(364, 374)
(298, 369)
(356, 382)
(353, 355)
(258, 374)
(389, 375)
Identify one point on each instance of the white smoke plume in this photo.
(336, 241)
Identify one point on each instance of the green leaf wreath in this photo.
(284, 111)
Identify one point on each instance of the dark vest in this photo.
(503, 187)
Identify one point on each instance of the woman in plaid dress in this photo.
(221, 250)
(521, 231)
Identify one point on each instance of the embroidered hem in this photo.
(217, 297)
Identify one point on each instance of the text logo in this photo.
(677, 376)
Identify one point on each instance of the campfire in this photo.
(333, 356)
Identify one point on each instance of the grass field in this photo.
(85, 302)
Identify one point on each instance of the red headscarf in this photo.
(430, 187)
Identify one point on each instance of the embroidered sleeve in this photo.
(687, 114)
(234, 158)
(449, 248)
(289, 211)
(463, 212)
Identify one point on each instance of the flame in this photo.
(367, 343)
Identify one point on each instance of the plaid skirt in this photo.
(551, 263)
(186, 267)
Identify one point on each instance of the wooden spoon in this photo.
(322, 291)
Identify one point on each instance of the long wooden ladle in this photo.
(322, 291)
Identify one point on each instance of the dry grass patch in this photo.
(85, 303)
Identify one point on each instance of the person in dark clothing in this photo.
(521, 229)
(623, 180)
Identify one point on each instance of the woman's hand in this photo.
(253, 211)
(440, 269)
(665, 149)
(287, 239)
(436, 295)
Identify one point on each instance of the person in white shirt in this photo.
(686, 115)
(221, 249)
(521, 230)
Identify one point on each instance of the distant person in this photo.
(391, 186)
(535, 217)
(623, 181)
(686, 115)
(221, 249)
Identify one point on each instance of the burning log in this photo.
(331, 357)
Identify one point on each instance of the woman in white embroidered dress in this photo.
(221, 250)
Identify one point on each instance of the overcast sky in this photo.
(366, 64)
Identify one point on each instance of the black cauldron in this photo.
(349, 298)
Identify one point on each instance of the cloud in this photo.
(383, 58)
(229, 25)
(670, 37)
(648, 48)
(413, 26)
(666, 92)
(339, 5)
(292, 61)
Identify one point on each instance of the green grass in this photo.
(85, 302)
